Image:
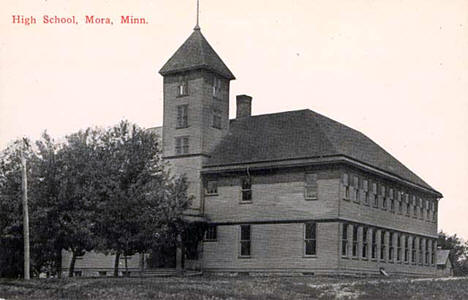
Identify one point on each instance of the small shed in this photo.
(444, 263)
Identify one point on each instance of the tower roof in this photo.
(196, 53)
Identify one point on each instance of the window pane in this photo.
(310, 247)
(310, 231)
(245, 248)
(245, 232)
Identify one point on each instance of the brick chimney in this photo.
(244, 106)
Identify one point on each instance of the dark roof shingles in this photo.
(302, 134)
(196, 53)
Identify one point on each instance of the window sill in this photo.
(244, 257)
(182, 127)
(245, 202)
(345, 256)
(310, 198)
(210, 241)
(182, 96)
(211, 195)
(309, 256)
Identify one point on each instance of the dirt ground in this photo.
(239, 287)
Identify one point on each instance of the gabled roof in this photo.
(302, 134)
(196, 53)
(442, 256)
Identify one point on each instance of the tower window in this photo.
(216, 86)
(246, 189)
(181, 145)
(182, 116)
(211, 233)
(310, 240)
(182, 86)
(310, 188)
(217, 119)
(245, 241)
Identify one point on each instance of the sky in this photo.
(395, 70)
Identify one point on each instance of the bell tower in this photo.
(196, 108)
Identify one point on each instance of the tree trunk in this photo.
(59, 264)
(126, 266)
(71, 270)
(116, 264)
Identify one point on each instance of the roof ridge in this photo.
(200, 41)
(274, 113)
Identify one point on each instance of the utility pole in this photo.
(25, 213)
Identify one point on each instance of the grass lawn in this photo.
(241, 287)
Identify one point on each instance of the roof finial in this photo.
(197, 27)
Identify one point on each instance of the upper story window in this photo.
(245, 240)
(383, 194)
(355, 195)
(211, 234)
(310, 239)
(182, 86)
(181, 145)
(211, 187)
(182, 116)
(415, 207)
(391, 199)
(399, 202)
(346, 186)
(310, 186)
(421, 209)
(375, 198)
(216, 86)
(246, 191)
(365, 187)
